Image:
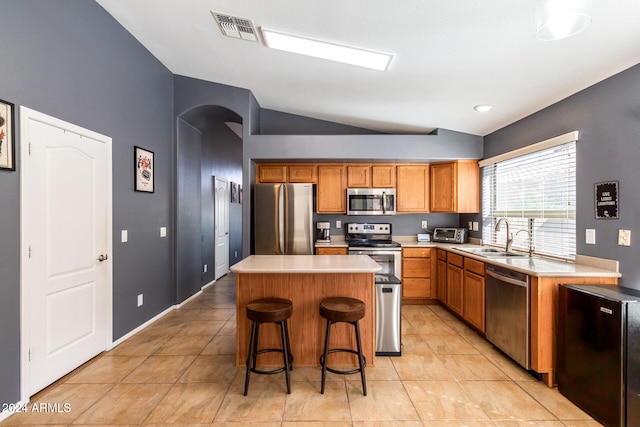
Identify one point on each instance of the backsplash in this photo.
(401, 224)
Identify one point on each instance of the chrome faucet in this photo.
(530, 240)
(507, 247)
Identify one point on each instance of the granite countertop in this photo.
(534, 266)
(306, 264)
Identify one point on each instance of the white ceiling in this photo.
(449, 56)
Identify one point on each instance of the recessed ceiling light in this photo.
(483, 108)
(319, 49)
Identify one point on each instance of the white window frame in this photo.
(544, 243)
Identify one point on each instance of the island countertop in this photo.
(306, 264)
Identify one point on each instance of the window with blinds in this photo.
(536, 192)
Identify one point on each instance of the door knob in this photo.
(102, 258)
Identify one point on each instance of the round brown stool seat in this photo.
(343, 309)
(269, 310)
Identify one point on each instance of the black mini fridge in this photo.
(598, 351)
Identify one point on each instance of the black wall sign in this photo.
(607, 200)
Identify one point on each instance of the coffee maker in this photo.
(323, 232)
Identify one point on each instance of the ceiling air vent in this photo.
(238, 28)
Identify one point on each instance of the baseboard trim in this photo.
(141, 327)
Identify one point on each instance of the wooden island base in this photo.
(306, 327)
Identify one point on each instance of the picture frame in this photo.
(144, 170)
(7, 140)
(606, 200)
(234, 192)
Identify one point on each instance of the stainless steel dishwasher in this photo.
(507, 312)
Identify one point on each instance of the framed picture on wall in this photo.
(7, 143)
(143, 162)
(234, 192)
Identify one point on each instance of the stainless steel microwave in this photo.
(371, 201)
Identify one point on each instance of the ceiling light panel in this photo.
(324, 50)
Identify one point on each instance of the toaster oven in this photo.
(450, 235)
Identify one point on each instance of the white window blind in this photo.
(536, 192)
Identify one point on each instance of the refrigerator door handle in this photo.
(279, 221)
(286, 249)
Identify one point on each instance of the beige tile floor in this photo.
(181, 371)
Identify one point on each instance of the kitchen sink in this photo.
(493, 253)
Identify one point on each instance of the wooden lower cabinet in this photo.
(441, 285)
(455, 279)
(473, 292)
(417, 284)
(332, 251)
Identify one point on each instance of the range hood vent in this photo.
(238, 28)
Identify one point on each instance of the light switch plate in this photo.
(590, 236)
(624, 237)
(124, 236)
(163, 231)
(476, 225)
(424, 225)
(139, 300)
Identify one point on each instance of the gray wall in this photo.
(71, 60)
(608, 118)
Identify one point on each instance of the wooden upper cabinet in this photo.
(412, 188)
(271, 173)
(303, 173)
(371, 176)
(358, 176)
(332, 189)
(455, 187)
(383, 176)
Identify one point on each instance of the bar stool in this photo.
(269, 310)
(342, 309)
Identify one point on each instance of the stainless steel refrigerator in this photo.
(283, 219)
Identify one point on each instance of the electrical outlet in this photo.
(235, 254)
(590, 236)
(424, 225)
(140, 300)
(205, 268)
(624, 237)
(470, 225)
(338, 224)
(124, 236)
(476, 225)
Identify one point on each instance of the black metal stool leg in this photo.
(324, 357)
(285, 353)
(286, 329)
(360, 357)
(250, 356)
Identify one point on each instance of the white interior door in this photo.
(221, 220)
(66, 224)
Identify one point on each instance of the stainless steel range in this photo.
(375, 240)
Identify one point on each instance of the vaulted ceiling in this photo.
(448, 56)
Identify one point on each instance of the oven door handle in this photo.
(374, 252)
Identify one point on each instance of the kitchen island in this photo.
(305, 280)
